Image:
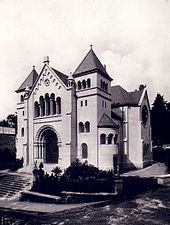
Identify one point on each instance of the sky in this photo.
(131, 37)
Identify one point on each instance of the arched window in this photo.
(47, 104)
(84, 149)
(42, 106)
(81, 127)
(53, 104)
(110, 139)
(22, 132)
(115, 139)
(58, 105)
(21, 98)
(36, 109)
(101, 84)
(106, 87)
(103, 139)
(87, 126)
(84, 84)
(79, 85)
(88, 83)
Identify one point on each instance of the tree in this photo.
(10, 121)
(159, 117)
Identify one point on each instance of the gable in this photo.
(50, 78)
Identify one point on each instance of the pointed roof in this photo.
(29, 81)
(62, 76)
(90, 64)
(106, 121)
(120, 97)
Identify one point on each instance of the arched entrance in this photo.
(47, 145)
(50, 145)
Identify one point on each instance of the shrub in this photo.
(79, 177)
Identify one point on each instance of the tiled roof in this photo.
(29, 81)
(106, 121)
(90, 64)
(120, 97)
(62, 76)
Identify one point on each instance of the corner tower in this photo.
(93, 90)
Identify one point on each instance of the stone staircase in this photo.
(12, 184)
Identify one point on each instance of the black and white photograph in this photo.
(85, 112)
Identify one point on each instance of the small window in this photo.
(106, 87)
(105, 104)
(103, 139)
(87, 126)
(115, 139)
(81, 127)
(88, 83)
(85, 102)
(101, 84)
(22, 132)
(110, 138)
(81, 103)
(84, 84)
(84, 148)
(79, 85)
(23, 112)
(22, 98)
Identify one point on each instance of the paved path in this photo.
(152, 171)
(15, 204)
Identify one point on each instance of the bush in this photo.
(79, 177)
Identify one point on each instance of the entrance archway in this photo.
(46, 145)
(50, 145)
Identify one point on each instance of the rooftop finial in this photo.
(46, 59)
(91, 46)
(33, 67)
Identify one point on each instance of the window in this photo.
(101, 84)
(47, 104)
(58, 105)
(81, 103)
(106, 87)
(36, 109)
(115, 139)
(105, 104)
(81, 127)
(53, 104)
(88, 83)
(21, 98)
(85, 102)
(84, 148)
(42, 106)
(22, 132)
(87, 126)
(79, 85)
(23, 113)
(110, 138)
(103, 139)
(84, 84)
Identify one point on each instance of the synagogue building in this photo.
(82, 116)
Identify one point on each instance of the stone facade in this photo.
(62, 118)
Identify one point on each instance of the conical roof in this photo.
(90, 64)
(29, 81)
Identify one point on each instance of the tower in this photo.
(93, 91)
